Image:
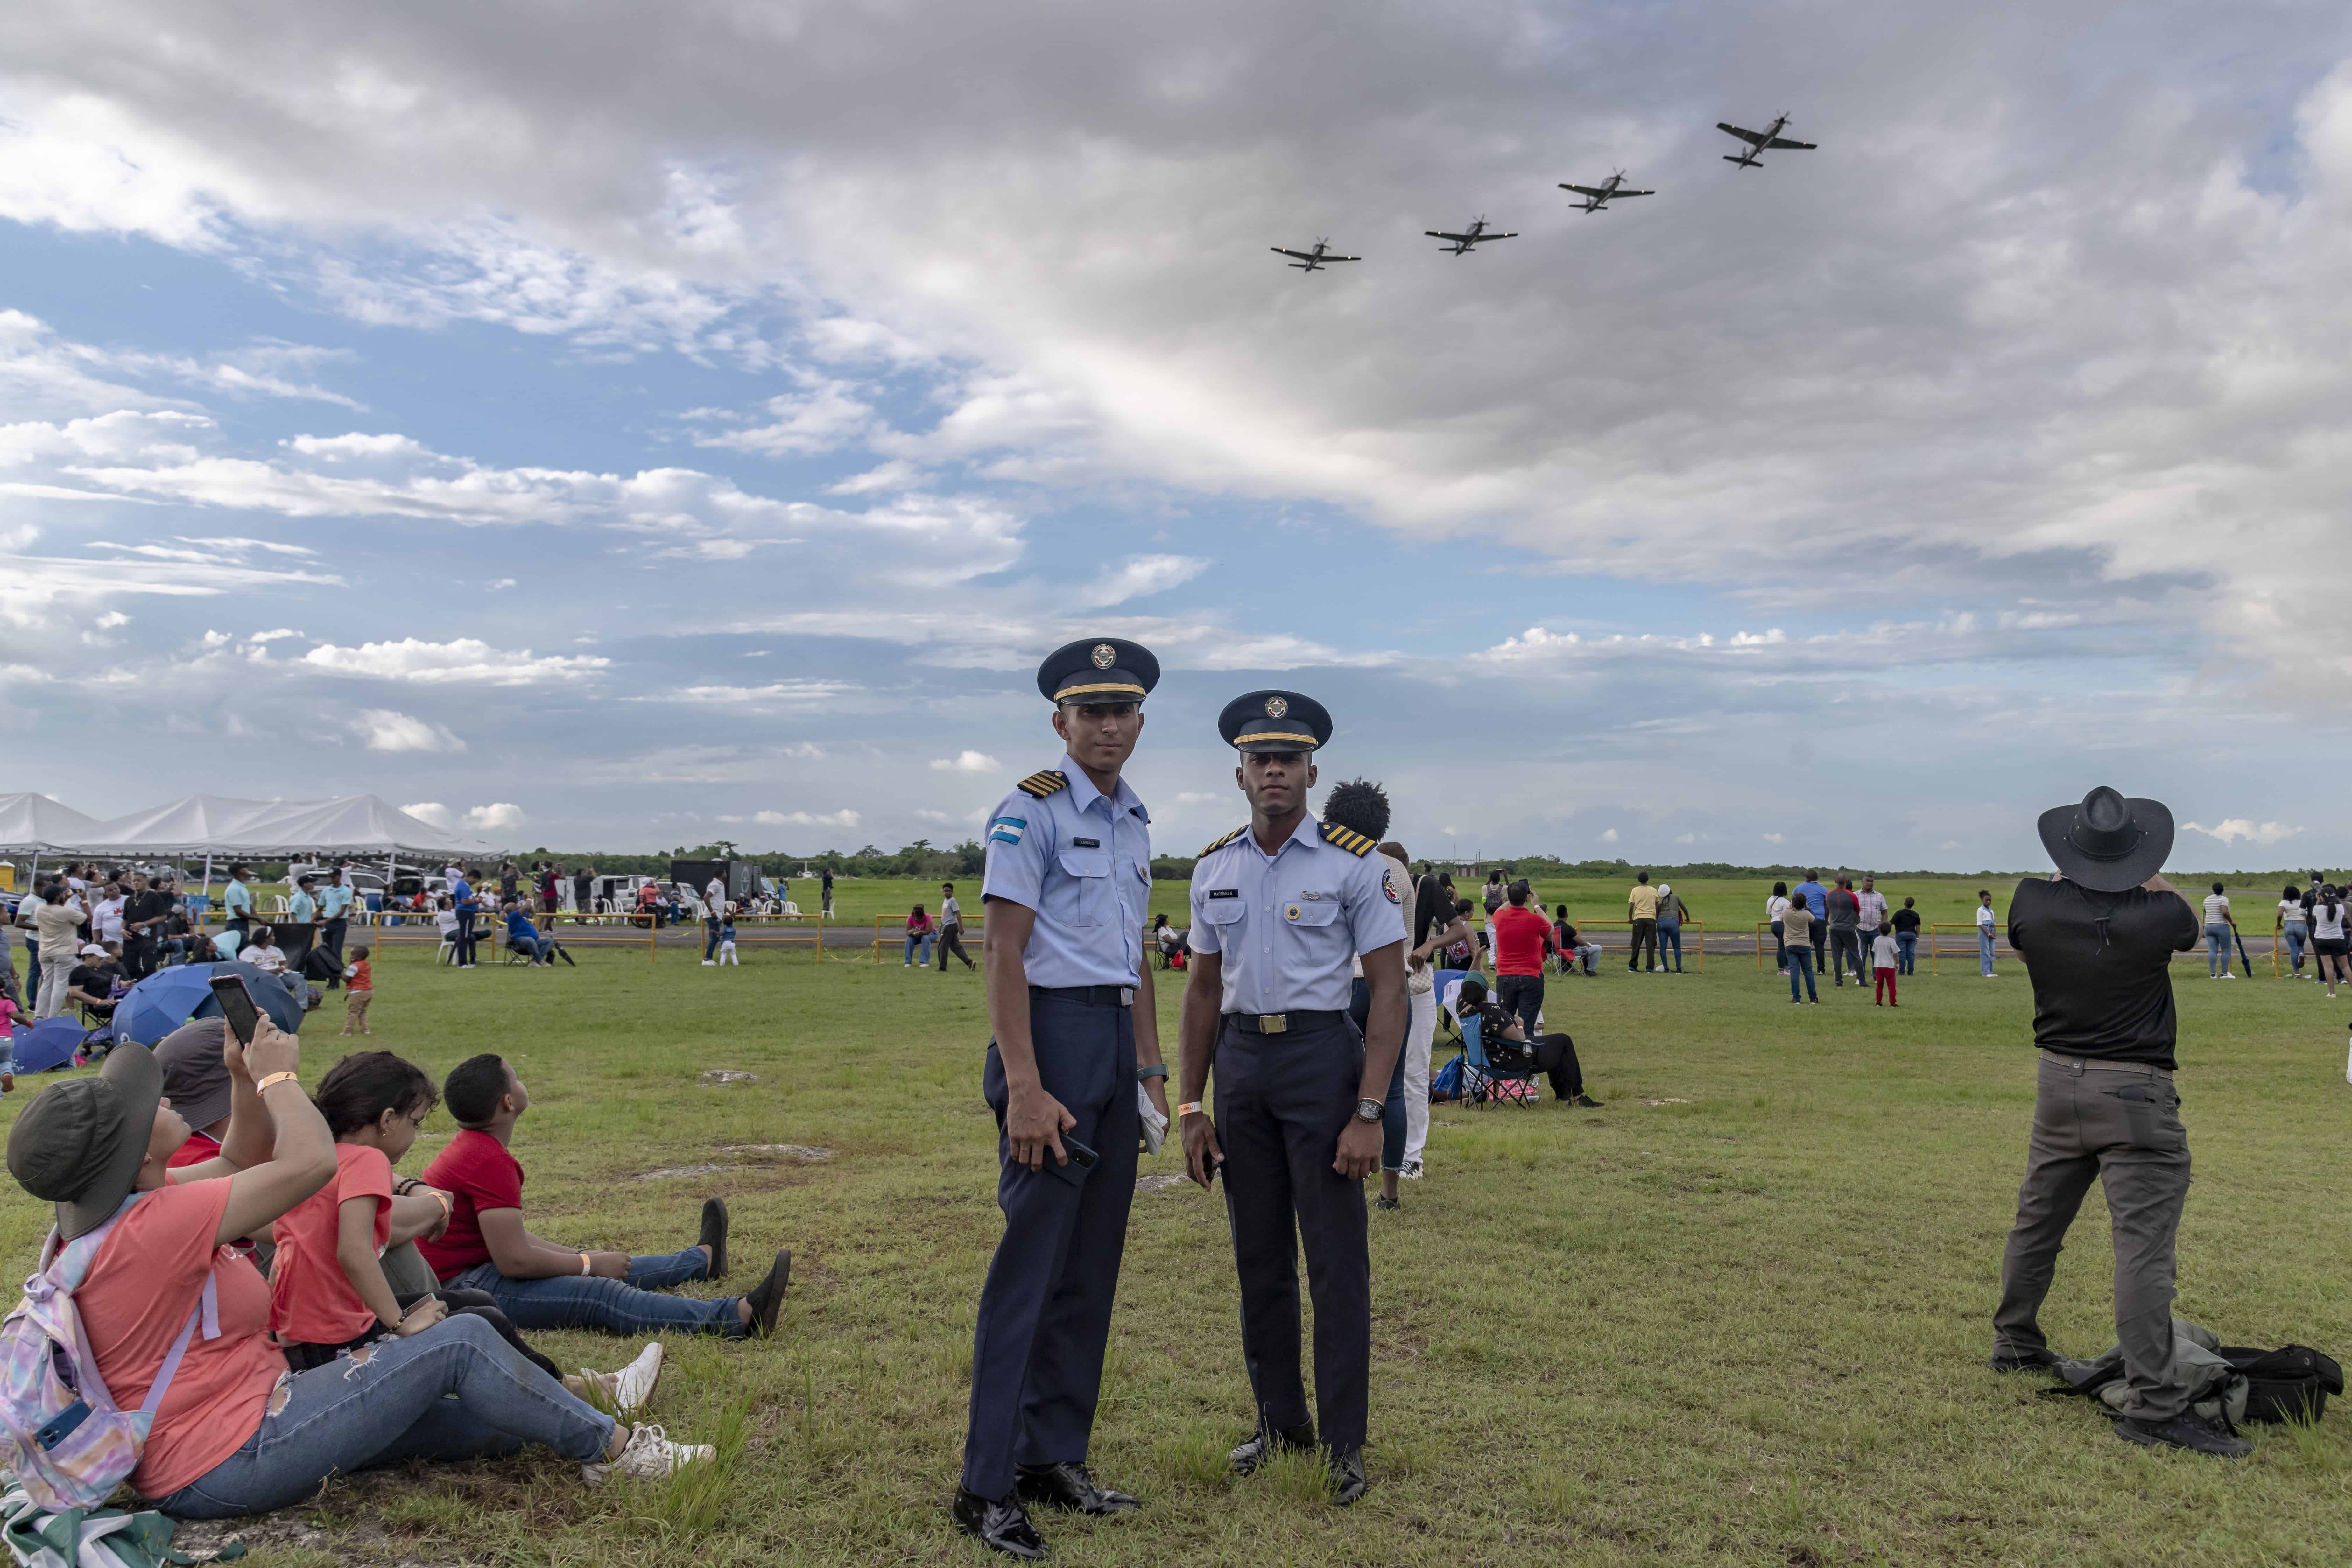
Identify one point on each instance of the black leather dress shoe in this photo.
(1000, 1526)
(1253, 1453)
(2006, 1360)
(1068, 1485)
(1348, 1481)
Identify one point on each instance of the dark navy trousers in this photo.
(1044, 1313)
(1281, 1102)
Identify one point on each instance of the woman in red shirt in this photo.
(235, 1433)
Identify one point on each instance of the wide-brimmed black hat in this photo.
(1098, 669)
(1275, 721)
(2109, 843)
(80, 1143)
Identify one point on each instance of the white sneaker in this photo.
(649, 1457)
(1412, 1172)
(709, 963)
(632, 1385)
(2229, 977)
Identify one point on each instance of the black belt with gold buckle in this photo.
(1278, 1023)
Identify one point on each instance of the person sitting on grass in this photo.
(523, 937)
(540, 1285)
(234, 1434)
(1508, 1048)
(262, 951)
(328, 1291)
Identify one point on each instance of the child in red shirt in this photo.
(358, 979)
(326, 1287)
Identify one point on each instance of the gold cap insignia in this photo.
(1276, 707)
(1104, 655)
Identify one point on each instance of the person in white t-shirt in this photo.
(714, 914)
(2219, 929)
(2294, 925)
(106, 915)
(1884, 959)
(1774, 908)
(1985, 921)
(263, 953)
(2328, 945)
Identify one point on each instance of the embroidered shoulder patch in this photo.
(1053, 781)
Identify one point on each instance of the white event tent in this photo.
(33, 823)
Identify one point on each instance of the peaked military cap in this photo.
(1098, 669)
(1275, 721)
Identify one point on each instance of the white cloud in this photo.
(338, 448)
(825, 414)
(2230, 830)
(1776, 839)
(281, 634)
(798, 696)
(386, 730)
(432, 812)
(1609, 836)
(1686, 837)
(967, 763)
(1140, 577)
(498, 816)
(462, 660)
(842, 819)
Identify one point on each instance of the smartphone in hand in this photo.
(1081, 1163)
(237, 1006)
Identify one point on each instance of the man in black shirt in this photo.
(144, 911)
(2098, 940)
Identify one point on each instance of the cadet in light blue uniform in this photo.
(335, 913)
(1068, 883)
(1280, 908)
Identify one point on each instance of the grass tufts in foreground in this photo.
(1744, 1328)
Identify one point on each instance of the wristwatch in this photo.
(1368, 1110)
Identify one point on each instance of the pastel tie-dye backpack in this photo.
(61, 1434)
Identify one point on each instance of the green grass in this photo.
(1745, 1328)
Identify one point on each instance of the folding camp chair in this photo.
(1485, 1081)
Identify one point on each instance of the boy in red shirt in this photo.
(359, 976)
(540, 1285)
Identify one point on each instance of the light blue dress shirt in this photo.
(1288, 925)
(1082, 860)
(335, 903)
(237, 898)
(301, 908)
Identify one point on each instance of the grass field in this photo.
(1737, 1316)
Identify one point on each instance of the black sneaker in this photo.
(2006, 1360)
(2183, 1431)
(1585, 1100)
(714, 1235)
(1386, 1202)
(767, 1298)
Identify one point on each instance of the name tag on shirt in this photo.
(1085, 843)
(1224, 892)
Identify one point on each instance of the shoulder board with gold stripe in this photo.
(1354, 843)
(1053, 781)
(1228, 838)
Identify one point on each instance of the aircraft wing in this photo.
(1302, 254)
(1753, 138)
(1591, 191)
(1457, 238)
(1329, 257)
(1786, 142)
(1622, 191)
(1485, 237)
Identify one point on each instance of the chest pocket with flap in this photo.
(1081, 896)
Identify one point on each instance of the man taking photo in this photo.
(2098, 940)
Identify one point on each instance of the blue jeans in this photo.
(630, 1306)
(1779, 947)
(2297, 933)
(1670, 934)
(923, 943)
(457, 1390)
(539, 947)
(709, 939)
(1984, 950)
(2216, 948)
(1800, 968)
(1907, 952)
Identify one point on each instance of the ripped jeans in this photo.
(457, 1390)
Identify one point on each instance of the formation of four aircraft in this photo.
(1596, 199)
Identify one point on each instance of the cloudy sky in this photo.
(617, 425)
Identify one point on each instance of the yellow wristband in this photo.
(583, 1263)
(273, 1080)
(1189, 1108)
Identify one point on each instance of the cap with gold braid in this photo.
(1098, 669)
(1275, 721)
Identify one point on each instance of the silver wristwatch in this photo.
(1369, 1109)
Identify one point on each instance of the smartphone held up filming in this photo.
(237, 1006)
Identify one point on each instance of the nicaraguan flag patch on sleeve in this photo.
(1006, 829)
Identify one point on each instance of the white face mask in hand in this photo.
(1155, 1126)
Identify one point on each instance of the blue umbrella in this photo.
(269, 990)
(51, 1043)
(162, 1002)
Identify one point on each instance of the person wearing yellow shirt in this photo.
(1642, 909)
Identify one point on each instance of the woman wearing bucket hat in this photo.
(2098, 940)
(234, 1433)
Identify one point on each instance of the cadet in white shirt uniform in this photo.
(1279, 908)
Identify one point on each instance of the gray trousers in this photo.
(2120, 1124)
